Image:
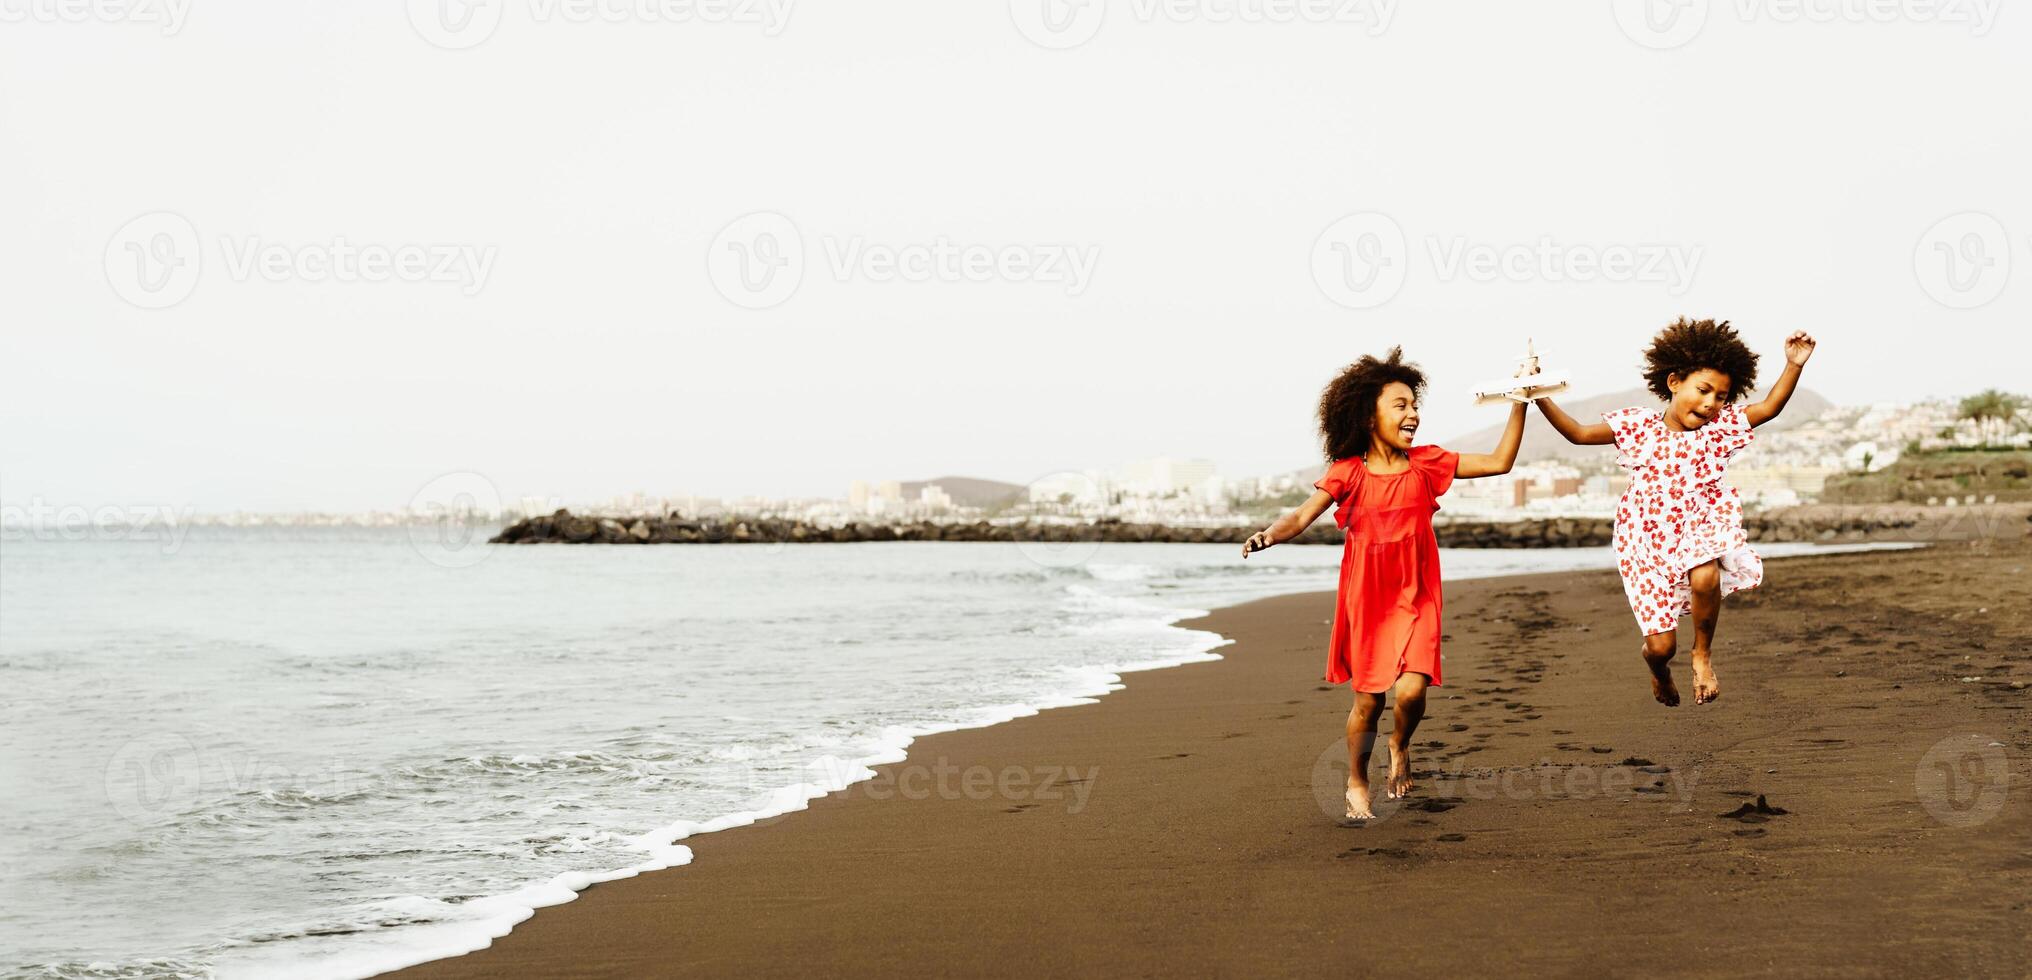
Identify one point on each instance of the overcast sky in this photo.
(288, 256)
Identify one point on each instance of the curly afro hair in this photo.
(1690, 345)
(1347, 408)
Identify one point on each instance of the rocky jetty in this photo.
(1825, 524)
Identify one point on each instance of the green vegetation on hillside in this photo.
(1919, 477)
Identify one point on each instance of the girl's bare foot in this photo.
(1662, 687)
(1400, 773)
(1705, 687)
(1358, 800)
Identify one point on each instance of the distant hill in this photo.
(1925, 477)
(1540, 442)
(969, 492)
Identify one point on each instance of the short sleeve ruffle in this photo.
(1732, 432)
(1632, 428)
(1436, 465)
(1339, 479)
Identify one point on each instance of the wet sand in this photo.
(1563, 822)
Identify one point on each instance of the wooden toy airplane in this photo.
(1529, 384)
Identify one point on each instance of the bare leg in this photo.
(1410, 696)
(1705, 581)
(1361, 742)
(1658, 651)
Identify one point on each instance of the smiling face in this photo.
(1696, 398)
(1396, 419)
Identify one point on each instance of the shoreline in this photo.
(1824, 524)
(1033, 789)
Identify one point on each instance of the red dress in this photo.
(1386, 621)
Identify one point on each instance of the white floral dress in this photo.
(1678, 512)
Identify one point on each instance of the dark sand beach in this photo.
(1563, 823)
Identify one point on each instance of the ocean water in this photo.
(323, 752)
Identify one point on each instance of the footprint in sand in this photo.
(1757, 812)
(1452, 838)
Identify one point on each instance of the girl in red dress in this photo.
(1679, 528)
(1384, 490)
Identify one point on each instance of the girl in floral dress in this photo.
(1385, 490)
(1679, 535)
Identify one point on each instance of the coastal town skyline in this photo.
(1789, 465)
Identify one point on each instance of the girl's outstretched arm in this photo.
(1290, 525)
(1597, 434)
(1472, 465)
(1798, 348)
